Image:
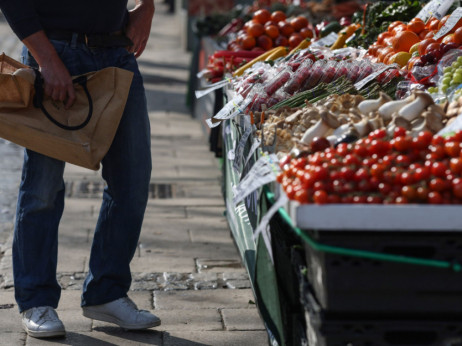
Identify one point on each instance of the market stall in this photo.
(342, 168)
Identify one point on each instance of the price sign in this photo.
(229, 111)
(450, 23)
(212, 87)
(262, 172)
(359, 85)
(327, 41)
(239, 152)
(435, 8)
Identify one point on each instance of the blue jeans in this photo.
(126, 169)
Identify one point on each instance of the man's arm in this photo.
(139, 25)
(58, 81)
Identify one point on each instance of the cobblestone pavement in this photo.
(187, 269)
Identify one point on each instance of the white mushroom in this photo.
(387, 109)
(416, 107)
(369, 106)
(362, 127)
(327, 122)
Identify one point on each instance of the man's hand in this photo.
(139, 25)
(58, 81)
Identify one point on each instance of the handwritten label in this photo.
(262, 172)
(359, 85)
(255, 146)
(327, 41)
(435, 8)
(450, 23)
(215, 86)
(239, 152)
(230, 110)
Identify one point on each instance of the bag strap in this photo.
(38, 101)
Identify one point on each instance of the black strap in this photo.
(38, 101)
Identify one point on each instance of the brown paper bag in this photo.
(80, 135)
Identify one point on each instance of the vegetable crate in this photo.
(335, 330)
(345, 282)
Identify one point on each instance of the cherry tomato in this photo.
(401, 143)
(435, 197)
(320, 197)
(438, 169)
(457, 187)
(455, 165)
(409, 192)
(452, 149)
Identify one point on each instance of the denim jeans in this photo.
(126, 168)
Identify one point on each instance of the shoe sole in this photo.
(50, 334)
(111, 319)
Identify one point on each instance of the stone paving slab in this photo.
(208, 299)
(13, 339)
(103, 336)
(221, 338)
(210, 236)
(10, 321)
(234, 319)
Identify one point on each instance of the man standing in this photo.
(63, 39)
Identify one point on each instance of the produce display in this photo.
(341, 114)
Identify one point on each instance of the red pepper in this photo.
(238, 53)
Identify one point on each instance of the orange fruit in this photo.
(265, 42)
(423, 45)
(449, 38)
(255, 29)
(404, 40)
(392, 25)
(373, 50)
(306, 33)
(383, 36)
(433, 24)
(278, 16)
(298, 23)
(272, 31)
(443, 21)
(247, 42)
(388, 41)
(458, 36)
(416, 26)
(423, 33)
(399, 28)
(382, 52)
(270, 22)
(262, 16)
(295, 39)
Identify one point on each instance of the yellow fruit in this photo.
(414, 48)
(400, 58)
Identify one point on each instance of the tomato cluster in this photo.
(377, 169)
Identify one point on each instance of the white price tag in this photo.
(239, 152)
(443, 9)
(450, 23)
(359, 85)
(255, 145)
(229, 111)
(435, 8)
(262, 172)
(327, 41)
(215, 86)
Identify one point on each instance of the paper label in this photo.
(359, 85)
(239, 152)
(255, 145)
(209, 89)
(229, 111)
(262, 172)
(435, 8)
(327, 41)
(450, 23)
(269, 214)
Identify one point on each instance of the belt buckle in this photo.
(85, 38)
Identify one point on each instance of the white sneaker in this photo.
(122, 312)
(42, 322)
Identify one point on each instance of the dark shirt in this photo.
(83, 16)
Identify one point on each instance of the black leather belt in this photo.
(91, 40)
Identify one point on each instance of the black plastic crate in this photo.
(327, 329)
(349, 284)
(289, 257)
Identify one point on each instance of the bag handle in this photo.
(38, 101)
